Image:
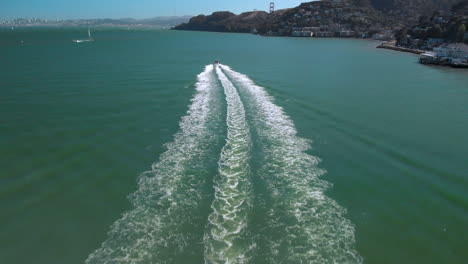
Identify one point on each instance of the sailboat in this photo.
(90, 38)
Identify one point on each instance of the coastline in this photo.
(383, 45)
(392, 46)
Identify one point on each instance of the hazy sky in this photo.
(63, 9)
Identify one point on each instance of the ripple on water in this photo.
(304, 225)
(165, 206)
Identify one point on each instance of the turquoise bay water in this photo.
(131, 148)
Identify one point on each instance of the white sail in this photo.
(90, 38)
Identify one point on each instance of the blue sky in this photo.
(65, 9)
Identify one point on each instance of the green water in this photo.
(359, 155)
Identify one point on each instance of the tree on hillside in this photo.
(423, 19)
(401, 33)
(362, 2)
(435, 14)
(435, 31)
(459, 6)
(461, 32)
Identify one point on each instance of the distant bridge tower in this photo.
(272, 7)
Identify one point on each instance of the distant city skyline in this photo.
(90, 9)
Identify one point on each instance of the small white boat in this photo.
(90, 38)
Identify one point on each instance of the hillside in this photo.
(410, 10)
(363, 17)
(330, 16)
(441, 27)
(418, 6)
(226, 22)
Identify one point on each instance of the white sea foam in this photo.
(167, 197)
(226, 240)
(304, 225)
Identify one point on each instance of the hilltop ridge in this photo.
(331, 18)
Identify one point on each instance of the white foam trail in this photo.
(167, 197)
(304, 225)
(226, 240)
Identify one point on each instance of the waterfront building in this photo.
(324, 34)
(311, 29)
(302, 34)
(456, 50)
(455, 55)
(347, 33)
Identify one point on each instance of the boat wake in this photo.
(304, 225)
(227, 241)
(265, 201)
(166, 205)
